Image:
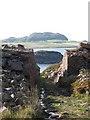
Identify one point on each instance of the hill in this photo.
(34, 37)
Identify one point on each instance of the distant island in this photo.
(35, 37)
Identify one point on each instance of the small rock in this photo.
(42, 88)
(42, 104)
(12, 95)
(4, 63)
(51, 113)
(17, 66)
(6, 55)
(8, 88)
(43, 92)
(2, 109)
(53, 116)
(6, 97)
(12, 81)
(42, 96)
(51, 110)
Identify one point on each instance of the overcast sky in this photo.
(20, 18)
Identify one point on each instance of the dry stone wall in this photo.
(73, 60)
(19, 74)
(77, 59)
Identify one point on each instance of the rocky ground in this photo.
(64, 105)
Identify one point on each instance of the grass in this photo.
(48, 44)
(30, 110)
(75, 104)
(48, 70)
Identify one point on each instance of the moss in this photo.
(75, 106)
(81, 84)
(50, 69)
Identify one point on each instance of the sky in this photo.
(19, 18)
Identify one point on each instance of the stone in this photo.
(4, 63)
(8, 88)
(12, 81)
(17, 66)
(42, 104)
(42, 96)
(12, 95)
(6, 55)
(16, 79)
(43, 92)
(20, 46)
(3, 109)
(5, 84)
(6, 97)
(42, 89)
(53, 116)
(51, 110)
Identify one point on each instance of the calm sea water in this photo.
(44, 66)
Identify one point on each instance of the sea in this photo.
(44, 66)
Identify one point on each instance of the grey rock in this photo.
(48, 57)
(18, 78)
(53, 116)
(12, 81)
(6, 55)
(6, 97)
(8, 88)
(51, 110)
(43, 92)
(12, 95)
(6, 83)
(42, 96)
(4, 63)
(0, 82)
(17, 66)
(42, 89)
(2, 109)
